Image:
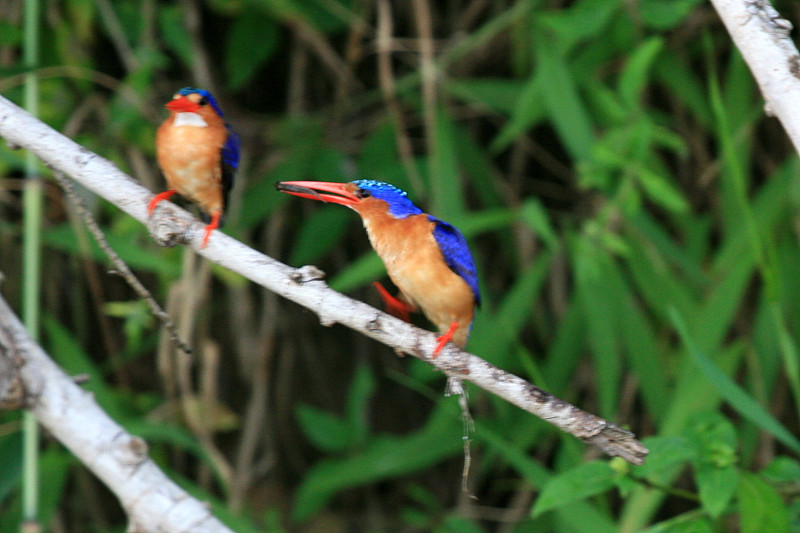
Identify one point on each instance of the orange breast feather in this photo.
(190, 158)
(416, 265)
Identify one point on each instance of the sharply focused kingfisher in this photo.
(426, 258)
(198, 152)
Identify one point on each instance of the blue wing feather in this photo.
(451, 242)
(230, 151)
(456, 254)
(230, 162)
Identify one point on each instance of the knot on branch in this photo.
(305, 274)
(167, 230)
(129, 450)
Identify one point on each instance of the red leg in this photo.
(214, 224)
(156, 199)
(394, 306)
(444, 339)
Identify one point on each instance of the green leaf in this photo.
(321, 231)
(253, 39)
(661, 191)
(716, 486)
(535, 216)
(581, 21)
(135, 254)
(684, 523)
(55, 463)
(564, 105)
(10, 463)
(327, 431)
(733, 393)
(634, 77)
(714, 439)
(761, 508)
(665, 14)
(71, 356)
(518, 458)
(576, 484)
(383, 457)
(327, 17)
(379, 158)
(361, 390)
(679, 79)
(666, 452)
(529, 110)
(364, 270)
(444, 181)
(10, 34)
(599, 300)
(782, 470)
(512, 313)
(498, 95)
(173, 31)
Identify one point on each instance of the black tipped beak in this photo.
(298, 190)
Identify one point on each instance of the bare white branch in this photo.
(151, 500)
(762, 37)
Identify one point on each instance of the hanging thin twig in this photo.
(120, 267)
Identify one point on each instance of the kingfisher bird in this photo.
(198, 153)
(426, 258)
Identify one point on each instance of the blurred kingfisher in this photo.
(426, 258)
(198, 153)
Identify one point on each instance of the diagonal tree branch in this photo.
(762, 37)
(151, 500)
(304, 285)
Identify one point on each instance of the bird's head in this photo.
(192, 100)
(362, 196)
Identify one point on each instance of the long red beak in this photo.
(182, 104)
(308, 189)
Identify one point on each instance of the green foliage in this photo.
(631, 211)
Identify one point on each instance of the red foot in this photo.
(394, 306)
(156, 199)
(444, 339)
(214, 224)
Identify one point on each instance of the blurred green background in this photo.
(633, 215)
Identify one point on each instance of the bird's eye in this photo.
(203, 101)
(363, 193)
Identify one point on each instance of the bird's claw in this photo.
(444, 339)
(158, 198)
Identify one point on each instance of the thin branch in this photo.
(151, 500)
(120, 267)
(304, 285)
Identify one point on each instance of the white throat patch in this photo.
(189, 119)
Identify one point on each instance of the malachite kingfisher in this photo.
(426, 258)
(198, 153)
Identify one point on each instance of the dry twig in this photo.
(120, 267)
